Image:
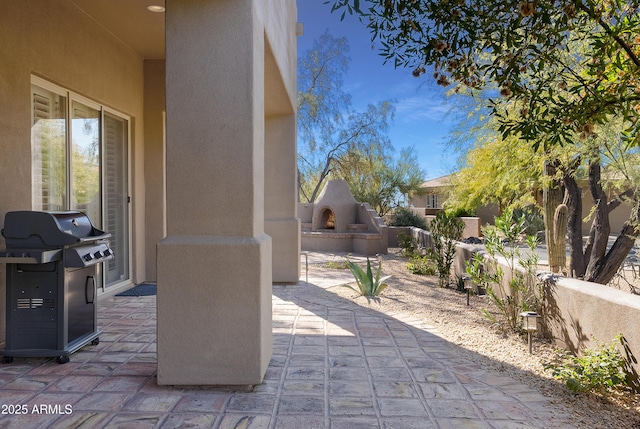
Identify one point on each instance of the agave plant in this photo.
(368, 285)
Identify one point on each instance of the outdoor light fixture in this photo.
(156, 8)
(468, 285)
(530, 324)
(379, 258)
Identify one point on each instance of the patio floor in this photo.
(335, 365)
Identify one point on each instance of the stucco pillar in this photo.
(281, 221)
(214, 266)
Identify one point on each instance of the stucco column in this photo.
(281, 221)
(214, 266)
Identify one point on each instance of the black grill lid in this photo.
(34, 229)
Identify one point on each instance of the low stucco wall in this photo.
(422, 237)
(360, 243)
(576, 314)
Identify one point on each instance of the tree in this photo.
(497, 171)
(380, 179)
(515, 46)
(567, 67)
(330, 131)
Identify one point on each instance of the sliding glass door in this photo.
(80, 161)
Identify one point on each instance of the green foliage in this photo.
(378, 178)
(570, 65)
(408, 245)
(368, 285)
(598, 370)
(501, 172)
(331, 133)
(403, 216)
(461, 212)
(533, 221)
(445, 229)
(514, 291)
(421, 265)
(339, 265)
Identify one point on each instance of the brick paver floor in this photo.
(335, 365)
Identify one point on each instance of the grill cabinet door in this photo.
(81, 301)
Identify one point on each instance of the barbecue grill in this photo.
(52, 260)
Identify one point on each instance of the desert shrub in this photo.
(446, 229)
(408, 244)
(461, 212)
(533, 220)
(405, 217)
(598, 370)
(519, 293)
(339, 265)
(421, 265)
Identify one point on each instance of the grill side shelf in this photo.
(29, 256)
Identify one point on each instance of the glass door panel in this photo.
(116, 141)
(85, 161)
(48, 149)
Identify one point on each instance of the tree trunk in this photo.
(609, 265)
(325, 172)
(551, 199)
(600, 227)
(573, 200)
(603, 265)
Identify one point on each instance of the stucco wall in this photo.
(277, 17)
(55, 41)
(578, 314)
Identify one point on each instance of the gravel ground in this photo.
(508, 353)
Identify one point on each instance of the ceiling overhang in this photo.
(131, 22)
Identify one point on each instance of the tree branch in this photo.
(608, 30)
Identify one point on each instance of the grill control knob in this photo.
(87, 257)
(107, 252)
(98, 255)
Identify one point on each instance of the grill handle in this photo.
(96, 237)
(90, 289)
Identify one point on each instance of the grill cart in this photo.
(52, 260)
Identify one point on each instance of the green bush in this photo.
(405, 217)
(598, 370)
(533, 221)
(408, 245)
(514, 291)
(461, 212)
(368, 285)
(339, 265)
(421, 265)
(445, 229)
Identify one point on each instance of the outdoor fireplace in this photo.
(337, 222)
(328, 219)
(335, 208)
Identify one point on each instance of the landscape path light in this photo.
(530, 324)
(468, 285)
(379, 258)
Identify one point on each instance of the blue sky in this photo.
(421, 110)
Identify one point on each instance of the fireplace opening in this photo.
(328, 219)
